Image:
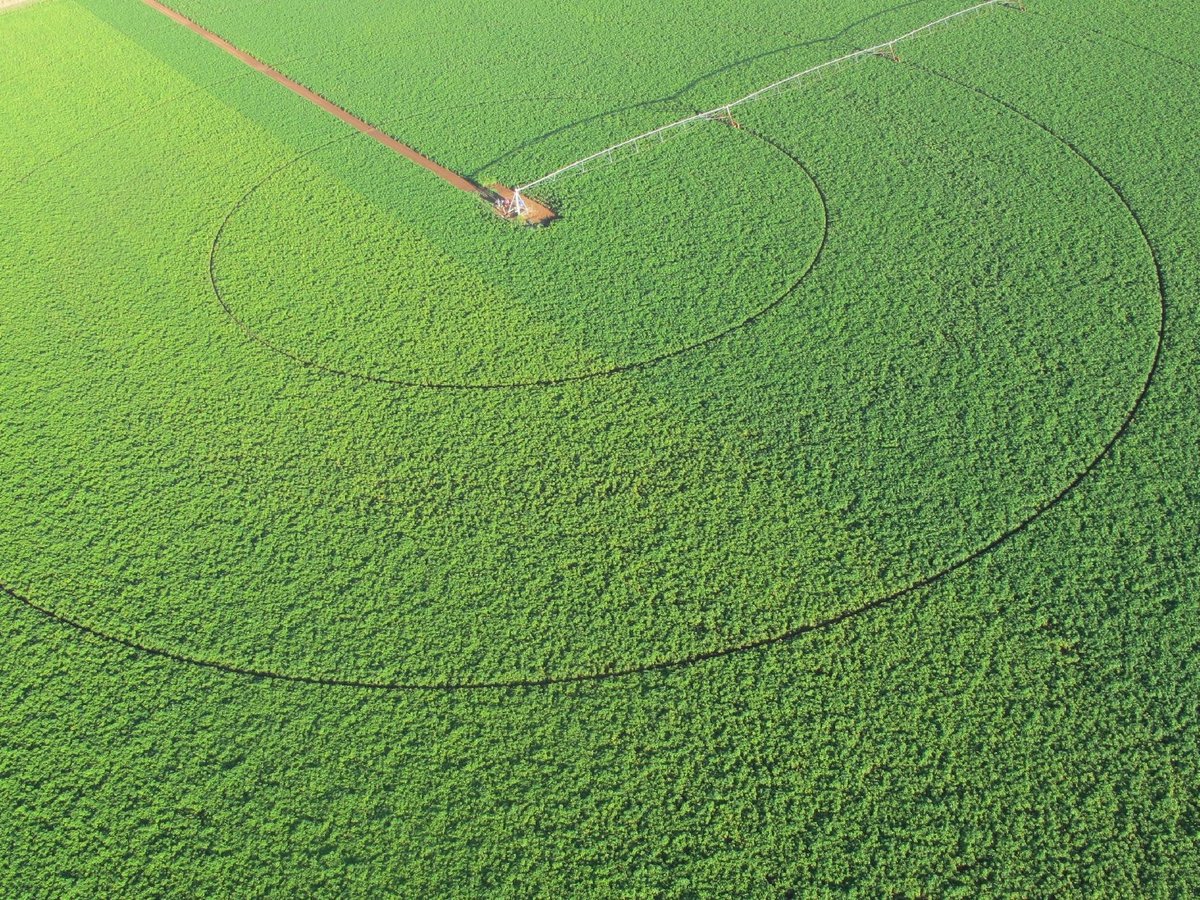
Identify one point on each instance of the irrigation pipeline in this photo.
(724, 112)
(516, 201)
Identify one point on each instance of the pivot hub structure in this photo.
(510, 203)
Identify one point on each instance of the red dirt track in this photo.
(450, 177)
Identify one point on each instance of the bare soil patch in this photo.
(535, 213)
(11, 4)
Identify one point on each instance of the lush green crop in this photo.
(905, 368)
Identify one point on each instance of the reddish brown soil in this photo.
(535, 213)
(450, 177)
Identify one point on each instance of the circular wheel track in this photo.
(761, 643)
(621, 369)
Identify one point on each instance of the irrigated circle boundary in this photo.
(607, 372)
(758, 644)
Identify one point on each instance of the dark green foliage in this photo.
(891, 334)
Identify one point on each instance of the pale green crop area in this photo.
(811, 510)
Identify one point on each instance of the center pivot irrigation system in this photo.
(514, 203)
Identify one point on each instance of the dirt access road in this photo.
(447, 175)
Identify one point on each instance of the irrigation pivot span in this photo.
(725, 110)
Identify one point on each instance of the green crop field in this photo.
(812, 510)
